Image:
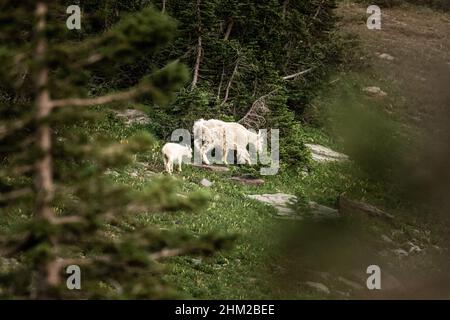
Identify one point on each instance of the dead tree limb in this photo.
(227, 90)
(254, 118)
(301, 73)
(347, 205)
(199, 49)
(285, 5)
(229, 28)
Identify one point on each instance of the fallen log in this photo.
(347, 205)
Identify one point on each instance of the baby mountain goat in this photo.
(174, 152)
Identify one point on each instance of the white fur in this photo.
(225, 135)
(173, 153)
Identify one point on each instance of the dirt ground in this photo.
(419, 41)
(416, 75)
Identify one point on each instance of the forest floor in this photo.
(275, 258)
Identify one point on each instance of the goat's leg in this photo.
(225, 154)
(179, 163)
(205, 149)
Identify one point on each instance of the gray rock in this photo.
(319, 211)
(386, 56)
(323, 154)
(132, 116)
(320, 287)
(386, 238)
(282, 202)
(206, 183)
(400, 252)
(414, 248)
(374, 91)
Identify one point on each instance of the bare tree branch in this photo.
(301, 73)
(229, 28)
(199, 48)
(255, 115)
(227, 90)
(13, 195)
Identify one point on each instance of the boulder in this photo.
(320, 287)
(132, 116)
(386, 56)
(323, 154)
(206, 183)
(374, 92)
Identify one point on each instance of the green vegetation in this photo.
(79, 186)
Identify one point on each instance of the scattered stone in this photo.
(386, 56)
(386, 238)
(280, 201)
(400, 252)
(213, 168)
(305, 172)
(132, 116)
(206, 183)
(323, 154)
(414, 248)
(374, 91)
(319, 211)
(249, 180)
(342, 293)
(320, 287)
(112, 173)
(352, 284)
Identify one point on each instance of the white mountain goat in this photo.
(174, 153)
(209, 134)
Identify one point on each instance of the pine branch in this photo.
(102, 100)
(14, 195)
(255, 115)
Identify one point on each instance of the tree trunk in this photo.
(229, 28)
(199, 49)
(43, 177)
(227, 91)
(163, 9)
(285, 4)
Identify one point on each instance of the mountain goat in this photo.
(212, 133)
(174, 153)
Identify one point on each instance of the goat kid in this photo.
(174, 153)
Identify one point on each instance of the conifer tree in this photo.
(52, 172)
